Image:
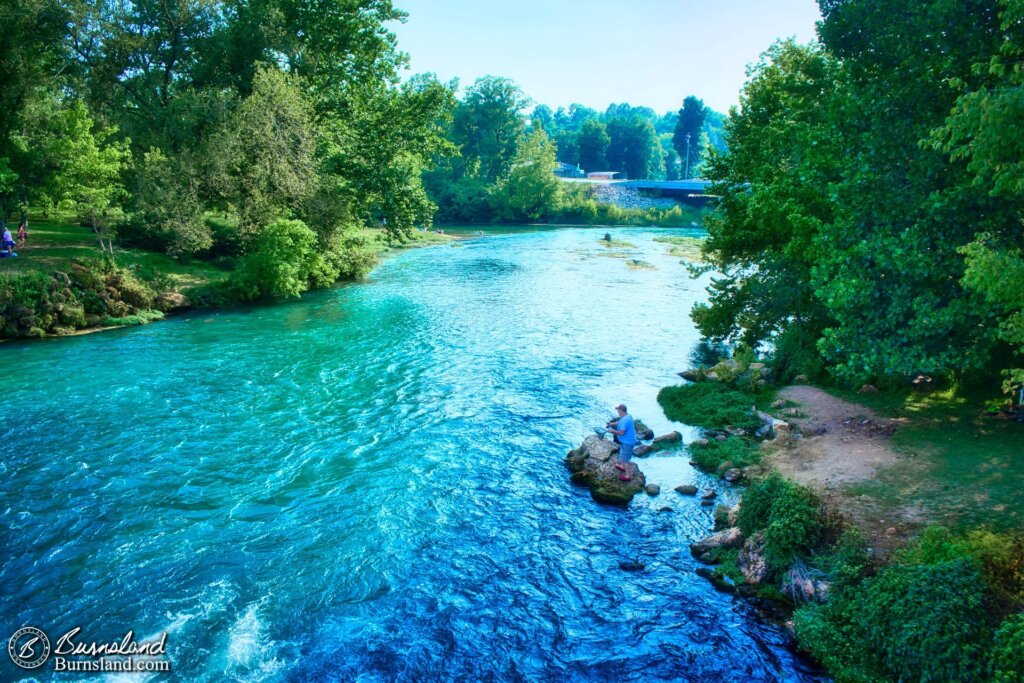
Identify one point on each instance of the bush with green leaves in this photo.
(707, 404)
(947, 608)
(737, 450)
(286, 262)
(789, 515)
(1008, 651)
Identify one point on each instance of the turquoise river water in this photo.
(367, 484)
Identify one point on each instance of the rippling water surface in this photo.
(367, 484)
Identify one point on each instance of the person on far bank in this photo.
(8, 242)
(22, 234)
(623, 428)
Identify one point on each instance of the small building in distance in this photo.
(564, 170)
(602, 175)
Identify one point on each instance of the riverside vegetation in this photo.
(946, 606)
(221, 152)
(868, 235)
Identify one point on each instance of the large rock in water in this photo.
(727, 538)
(593, 465)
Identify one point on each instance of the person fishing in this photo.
(623, 428)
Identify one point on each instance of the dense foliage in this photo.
(788, 515)
(90, 293)
(709, 404)
(871, 210)
(945, 609)
(152, 116)
(495, 142)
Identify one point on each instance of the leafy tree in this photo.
(982, 131)
(77, 165)
(167, 204)
(686, 138)
(543, 113)
(633, 147)
(773, 188)
(264, 157)
(529, 191)
(889, 270)
(488, 124)
(593, 145)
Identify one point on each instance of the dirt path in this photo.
(843, 445)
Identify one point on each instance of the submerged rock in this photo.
(687, 490)
(632, 566)
(593, 465)
(720, 581)
(652, 489)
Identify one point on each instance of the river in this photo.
(367, 483)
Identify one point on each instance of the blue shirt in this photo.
(626, 425)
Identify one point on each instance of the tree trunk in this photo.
(24, 207)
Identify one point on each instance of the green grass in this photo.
(963, 467)
(381, 243)
(141, 318)
(52, 245)
(707, 404)
(737, 450)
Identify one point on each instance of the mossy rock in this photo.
(72, 316)
(612, 491)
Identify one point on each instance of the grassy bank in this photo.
(947, 605)
(61, 283)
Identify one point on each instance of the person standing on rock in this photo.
(623, 428)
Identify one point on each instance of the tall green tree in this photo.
(593, 145)
(633, 147)
(529, 191)
(488, 124)
(265, 164)
(773, 185)
(982, 131)
(686, 139)
(77, 164)
(890, 270)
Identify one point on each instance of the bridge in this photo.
(693, 191)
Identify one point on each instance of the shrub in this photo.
(795, 353)
(708, 404)
(928, 622)
(286, 263)
(787, 512)
(707, 353)
(932, 614)
(739, 451)
(1008, 652)
(140, 318)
